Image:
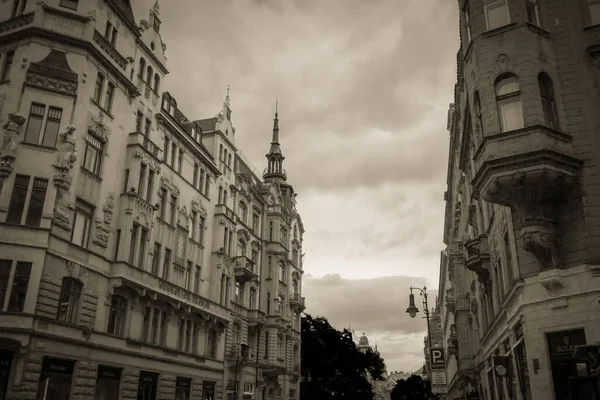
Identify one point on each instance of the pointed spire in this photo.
(275, 157)
(227, 97)
(276, 125)
(156, 7)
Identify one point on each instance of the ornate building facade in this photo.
(141, 257)
(519, 276)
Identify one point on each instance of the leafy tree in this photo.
(413, 388)
(338, 370)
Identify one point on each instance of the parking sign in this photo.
(437, 358)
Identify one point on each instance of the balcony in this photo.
(297, 302)
(478, 258)
(531, 170)
(16, 23)
(256, 318)
(146, 284)
(244, 269)
(273, 368)
(222, 209)
(138, 138)
(110, 50)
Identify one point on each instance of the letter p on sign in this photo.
(437, 358)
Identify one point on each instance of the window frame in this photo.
(548, 99)
(109, 97)
(501, 99)
(9, 300)
(75, 293)
(536, 11)
(93, 144)
(594, 5)
(491, 4)
(46, 117)
(117, 310)
(87, 213)
(7, 63)
(99, 88)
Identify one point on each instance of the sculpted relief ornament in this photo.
(67, 155)
(10, 140)
(102, 233)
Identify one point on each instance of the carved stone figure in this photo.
(67, 150)
(541, 242)
(12, 131)
(67, 155)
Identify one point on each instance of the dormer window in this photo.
(173, 108)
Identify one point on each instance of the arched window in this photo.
(510, 106)
(281, 271)
(548, 100)
(241, 248)
(229, 160)
(156, 83)
(142, 68)
(295, 287)
(149, 73)
(68, 302)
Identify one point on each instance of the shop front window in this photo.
(5, 364)
(108, 383)
(55, 379)
(147, 385)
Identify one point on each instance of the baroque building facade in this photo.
(519, 284)
(141, 256)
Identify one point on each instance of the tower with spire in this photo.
(275, 157)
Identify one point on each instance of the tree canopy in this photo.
(413, 388)
(338, 370)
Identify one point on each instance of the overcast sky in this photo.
(364, 88)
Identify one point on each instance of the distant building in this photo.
(379, 387)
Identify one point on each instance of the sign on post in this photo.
(437, 358)
(438, 371)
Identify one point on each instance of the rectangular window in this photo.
(150, 187)
(532, 12)
(52, 127)
(167, 143)
(180, 161)
(18, 292)
(195, 178)
(117, 243)
(156, 258)
(98, 89)
(467, 17)
(92, 159)
(147, 126)
(192, 227)
(82, 223)
(108, 31)
(197, 276)
(34, 123)
(142, 252)
(201, 231)
(594, 11)
(173, 209)
(166, 264)
(110, 93)
(68, 302)
(37, 199)
(139, 119)
(142, 180)
(133, 242)
(18, 199)
(173, 155)
(163, 204)
(496, 13)
(116, 315)
(7, 65)
(72, 4)
(5, 268)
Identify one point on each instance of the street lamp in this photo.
(241, 353)
(412, 310)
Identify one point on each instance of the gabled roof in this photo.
(208, 124)
(123, 7)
